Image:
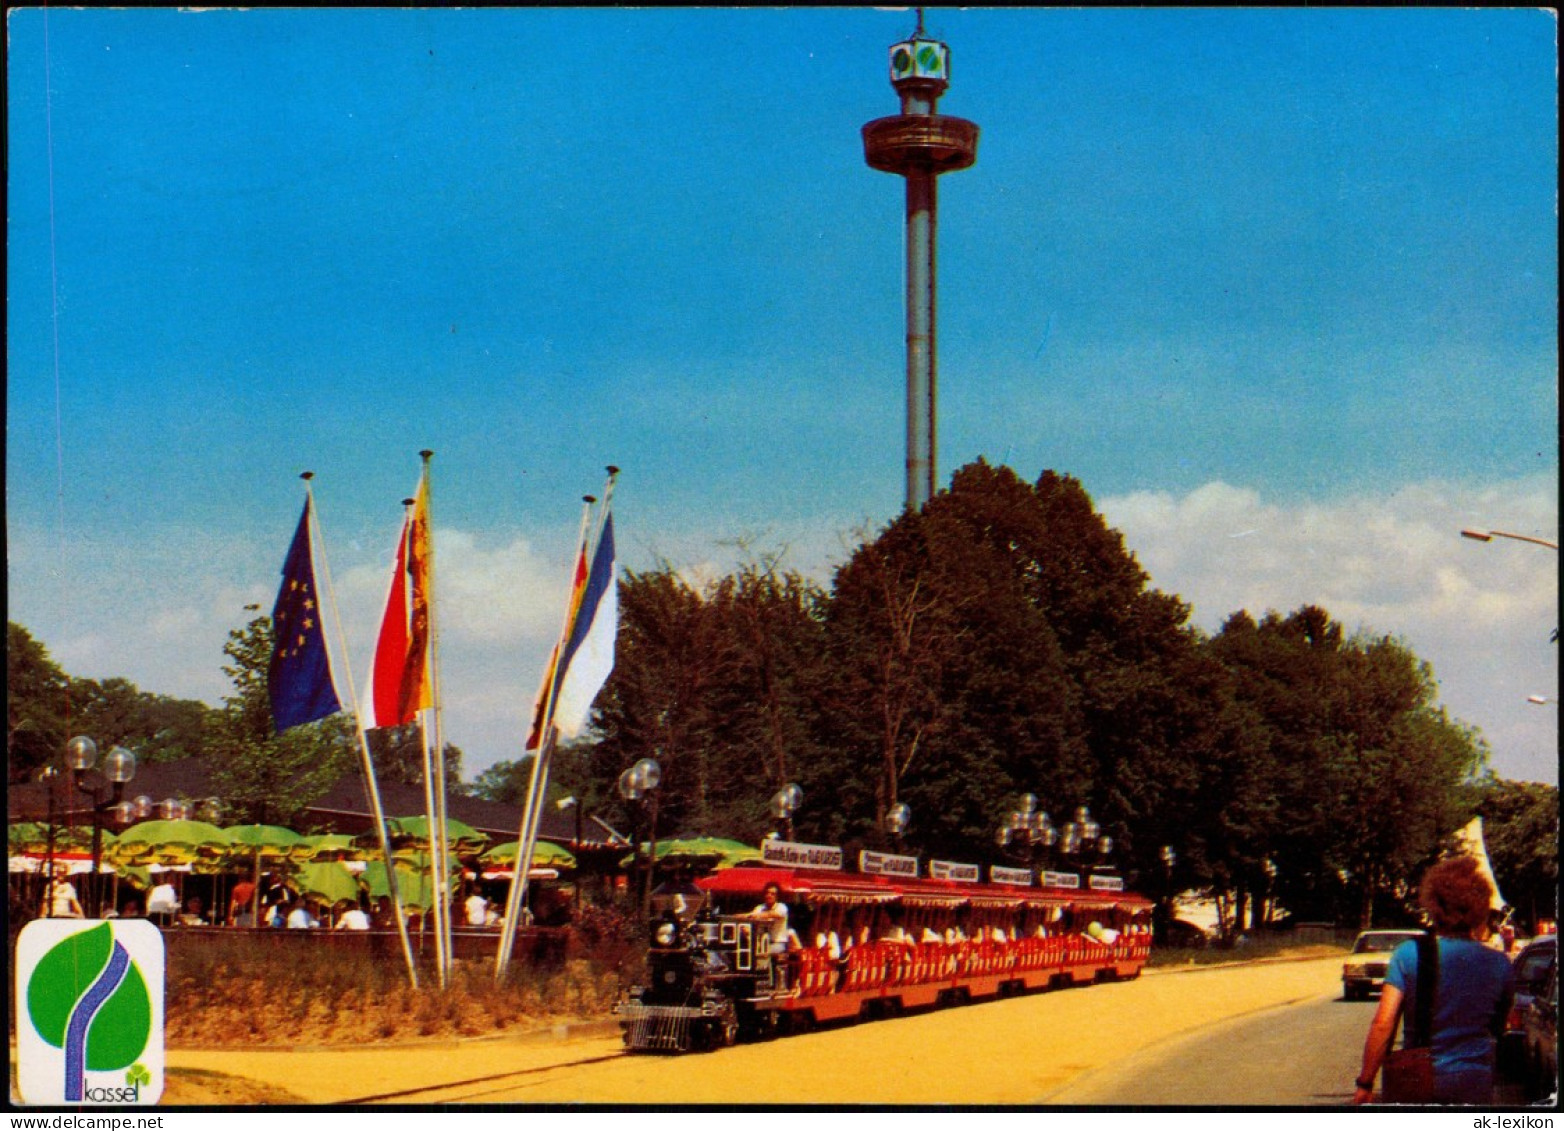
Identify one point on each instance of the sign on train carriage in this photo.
(788, 854)
(1106, 883)
(1018, 877)
(885, 864)
(961, 873)
(1061, 880)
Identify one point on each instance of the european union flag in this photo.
(302, 689)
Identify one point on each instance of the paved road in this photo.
(1295, 1056)
(1303, 1055)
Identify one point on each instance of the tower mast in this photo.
(920, 144)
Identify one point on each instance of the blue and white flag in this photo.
(302, 688)
(589, 653)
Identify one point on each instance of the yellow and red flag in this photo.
(399, 685)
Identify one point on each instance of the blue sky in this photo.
(1279, 286)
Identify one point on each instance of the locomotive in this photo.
(866, 945)
(704, 976)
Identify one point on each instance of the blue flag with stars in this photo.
(302, 689)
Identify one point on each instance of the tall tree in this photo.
(891, 635)
(37, 703)
(1369, 773)
(158, 728)
(1521, 828)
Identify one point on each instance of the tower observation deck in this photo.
(920, 144)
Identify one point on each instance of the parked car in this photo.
(1542, 1040)
(1364, 970)
(1533, 963)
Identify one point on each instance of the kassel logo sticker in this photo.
(89, 1002)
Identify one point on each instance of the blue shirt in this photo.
(1470, 1001)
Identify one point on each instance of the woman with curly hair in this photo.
(1471, 996)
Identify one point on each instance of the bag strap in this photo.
(1427, 985)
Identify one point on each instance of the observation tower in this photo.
(919, 144)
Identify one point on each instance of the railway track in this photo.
(474, 1090)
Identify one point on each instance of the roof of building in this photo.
(344, 807)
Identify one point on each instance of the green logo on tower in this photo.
(92, 998)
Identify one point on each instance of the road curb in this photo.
(1268, 961)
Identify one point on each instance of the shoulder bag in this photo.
(1409, 1071)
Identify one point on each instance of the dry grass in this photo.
(241, 992)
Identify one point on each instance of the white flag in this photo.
(589, 655)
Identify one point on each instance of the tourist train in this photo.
(869, 943)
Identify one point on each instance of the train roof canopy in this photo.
(823, 887)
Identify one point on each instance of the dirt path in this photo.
(1013, 1051)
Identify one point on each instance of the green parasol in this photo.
(266, 842)
(329, 881)
(413, 880)
(410, 836)
(544, 855)
(169, 842)
(712, 852)
(32, 837)
(333, 846)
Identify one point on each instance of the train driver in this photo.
(773, 912)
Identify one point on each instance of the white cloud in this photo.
(1479, 613)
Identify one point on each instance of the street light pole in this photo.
(784, 803)
(119, 767)
(1490, 535)
(573, 802)
(639, 781)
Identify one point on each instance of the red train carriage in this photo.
(868, 945)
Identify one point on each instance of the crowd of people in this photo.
(272, 902)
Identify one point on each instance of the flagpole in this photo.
(366, 763)
(440, 790)
(538, 787)
(551, 733)
(441, 829)
(421, 718)
(518, 883)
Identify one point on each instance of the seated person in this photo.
(241, 900)
(60, 900)
(191, 916)
(352, 918)
(163, 903)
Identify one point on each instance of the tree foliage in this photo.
(264, 777)
(1521, 830)
(37, 703)
(46, 707)
(1004, 640)
(715, 685)
(398, 755)
(1368, 772)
